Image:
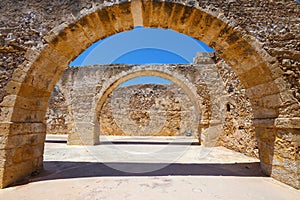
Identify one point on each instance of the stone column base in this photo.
(279, 147)
(85, 133)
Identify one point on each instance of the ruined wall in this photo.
(241, 31)
(165, 106)
(275, 24)
(239, 132)
(86, 89)
(57, 113)
(172, 105)
(167, 100)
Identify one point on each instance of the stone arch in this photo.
(189, 88)
(87, 88)
(24, 107)
(179, 80)
(216, 100)
(174, 77)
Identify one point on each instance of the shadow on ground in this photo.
(65, 170)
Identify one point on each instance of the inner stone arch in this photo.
(146, 109)
(85, 128)
(148, 70)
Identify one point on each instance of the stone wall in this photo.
(275, 24)
(160, 108)
(173, 108)
(167, 100)
(259, 40)
(87, 88)
(239, 132)
(57, 113)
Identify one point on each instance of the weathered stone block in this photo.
(146, 12)
(285, 176)
(285, 149)
(25, 128)
(195, 20)
(6, 113)
(87, 133)
(103, 15)
(255, 76)
(27, 115)
(289, 123)
(262, 90)
(13, 87)
(18, 171)
(185, 18)
(31, 92)
(264, 113)
(22, 153)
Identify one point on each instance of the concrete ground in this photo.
(147, 168)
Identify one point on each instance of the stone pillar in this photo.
(217, 98)
(21, 150)
(83, 126)
(85, 133)
(279, 146)
(79, 88)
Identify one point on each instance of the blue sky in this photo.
(146, 80)
(143, 46)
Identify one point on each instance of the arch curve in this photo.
(177, 79)
(174, 77)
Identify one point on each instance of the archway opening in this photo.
(148, 106)
(89, 58)
(141, 119)
(155, 157)
(143, 46)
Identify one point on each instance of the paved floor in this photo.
(147, 168)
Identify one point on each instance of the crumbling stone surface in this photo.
(57, 113)
(87, 88)
(167, 100)
(275, 24)
(171, 106)
(239, 132)
(23, 26)
(259, 40)
(166, 106)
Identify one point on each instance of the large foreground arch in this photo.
(24, 106)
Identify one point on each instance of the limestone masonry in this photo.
(257, 45)
(173, 107)
(147, 110)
